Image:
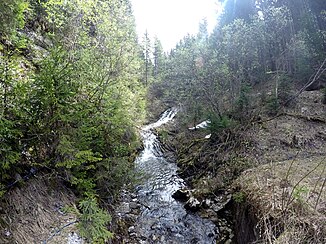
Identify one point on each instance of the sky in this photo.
(171, 20)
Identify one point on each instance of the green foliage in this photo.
(12, 16)
(242, 104)
(220, 123)
(121, 174)
(239, 197)
(252, 40)
(285, 90)
(2, 191)
(298, 193)
(9, 154)
(75, 105)
(163, 135)
(93, 221)
(272, 105)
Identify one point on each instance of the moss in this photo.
(239, 197)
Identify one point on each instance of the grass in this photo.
(289, 200)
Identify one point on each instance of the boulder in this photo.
(182, 195)
(192, 204)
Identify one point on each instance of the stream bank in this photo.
(234, 189)
(294, 141)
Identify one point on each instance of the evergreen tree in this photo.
(159, 58)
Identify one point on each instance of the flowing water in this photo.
(163, 219)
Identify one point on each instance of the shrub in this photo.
(93, 221)
(272, 105)
(285, 91)
(220, 123)
(239, 197)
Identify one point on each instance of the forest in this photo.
(77, 83)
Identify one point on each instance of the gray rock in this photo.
(131, 229)
(182, 195)
(192, 204)
(133, 205)
(124, 208)
(221, 202)
(207, 203)
(131, 217)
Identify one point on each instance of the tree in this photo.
(147, 51)
(74, 107)
(12, 16)
(233, 9)
(159, 58)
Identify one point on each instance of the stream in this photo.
(162, 219)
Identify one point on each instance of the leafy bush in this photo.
(243, 101)
(284, 90)
(272, 105)
(93, 221)
(220, 123)
(239, 197)
(13, 15)
(112, 174)
(9, 150)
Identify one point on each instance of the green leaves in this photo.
(12, 16)
(81, 158)
(93, 221)
(9, 150)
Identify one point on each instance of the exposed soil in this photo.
(298, 133)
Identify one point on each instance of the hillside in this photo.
(289, 147)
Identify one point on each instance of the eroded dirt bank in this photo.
(275, 156)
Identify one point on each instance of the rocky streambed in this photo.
(153, 213)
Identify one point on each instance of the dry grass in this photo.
(33, 212)
(289, 199)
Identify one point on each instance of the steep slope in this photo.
(211, 166)
(34, 212)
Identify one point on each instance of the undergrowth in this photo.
(287, 199)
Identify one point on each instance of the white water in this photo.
(163, 219)
(201, 125)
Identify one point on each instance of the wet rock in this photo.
(210, 214)
(207, 203)
(124, 208)
(73, 238)
(133, 234)
(221, 202)
(226, 233)
(131, 229)
(133, 205)
(162, 239)
(181, 195)
(18, 177)
(174, 229)
(194, 241)
(154, 237)
(7, 233)
(131, 217)
(192, 204)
